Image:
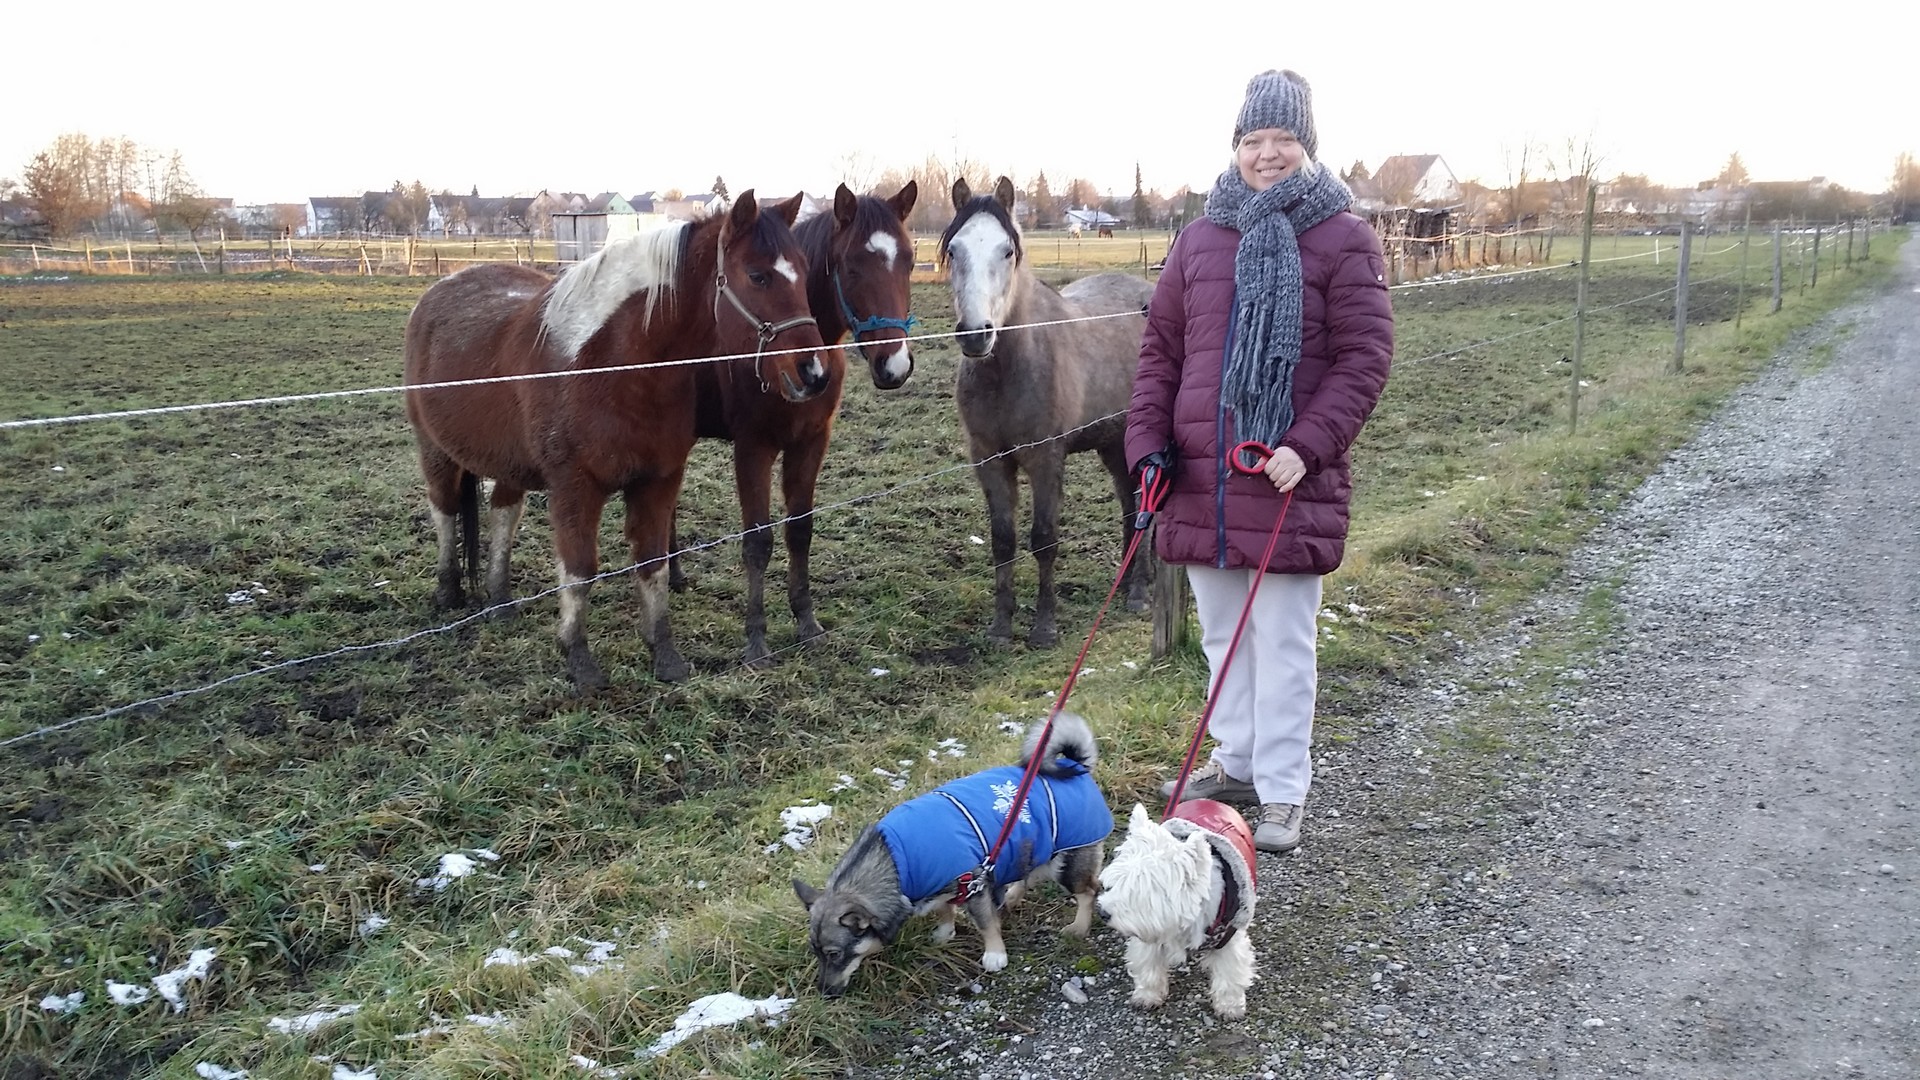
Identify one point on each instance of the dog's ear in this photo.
(807, 893)
(856, 921)
(1139, 822)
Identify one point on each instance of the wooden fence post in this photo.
(1680, 301)
(1170, 603)
(36, 255)
(1816, 257)
(1776, 268)
(1580, 317)
(1740, 304)
(88, 242)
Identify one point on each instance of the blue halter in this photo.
(868, 325)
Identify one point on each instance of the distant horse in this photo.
(729, 284)
(859, 279)
(1036, 385)
(1106, 231)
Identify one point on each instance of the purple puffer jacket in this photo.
(1214, 516)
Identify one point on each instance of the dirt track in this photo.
(1699, 863)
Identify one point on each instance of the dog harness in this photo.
(1232, 844)
(939, 837)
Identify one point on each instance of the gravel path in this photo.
(1697, 857)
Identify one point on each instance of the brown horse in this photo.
(731, 284)
(1030, 395)
(860, 266)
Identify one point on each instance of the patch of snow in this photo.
(488, 1020)
(799, 822)
(172, 984)
(373, 924)
(975, 540)
(60, 1005)
(583, 1061)
(127, 993)
(845, 783)
(454, 865)
(716, 1010)
(950, 747)
(1130, 665)
(1012, 727)
(318, 868)
(486, 853)
(878, 672)
(308, 1023)
(504, 957)
(207, 1070)
(425, 1033)
(560, 951)
(348, 1072)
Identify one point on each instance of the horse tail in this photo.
(470, 525)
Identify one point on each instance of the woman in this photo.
(1270, 323)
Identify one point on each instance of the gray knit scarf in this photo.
(1267, 286)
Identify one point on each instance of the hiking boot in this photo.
(1210, 781)
(1279, 827)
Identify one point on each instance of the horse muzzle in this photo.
(978, 341)
(814, 379)
(891, 362)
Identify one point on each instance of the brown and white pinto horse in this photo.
(733, 283)
(859, 280)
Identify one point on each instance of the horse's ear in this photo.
(902, 202)
(740, 219)
(845, 205)
(961, 193)
(1003, 191)
(789, 210)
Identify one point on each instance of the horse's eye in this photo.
(1009, 255)
(759, 278)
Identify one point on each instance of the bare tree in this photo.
(178, 202)
(1905, 188)
(1521, 163)
(59, 184)
(858, 171)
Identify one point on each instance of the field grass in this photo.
(268, 819)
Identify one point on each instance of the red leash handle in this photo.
(1250, 459)
(1245, 468)
(1153, 489)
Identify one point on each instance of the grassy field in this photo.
(276, 820)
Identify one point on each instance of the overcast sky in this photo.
(274, 103)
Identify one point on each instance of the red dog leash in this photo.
(1247, 459)
(1154, 483)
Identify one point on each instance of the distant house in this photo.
(688, 208)
(333, 215)
(1090, 218)
(1406, 180)
(20, 221)
(604, 219)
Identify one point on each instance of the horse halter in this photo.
(767, 330)
(858, 325)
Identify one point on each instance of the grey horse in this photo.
(1031, 395)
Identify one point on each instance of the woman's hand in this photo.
(1285, 469)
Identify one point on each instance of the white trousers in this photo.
(1263, 719)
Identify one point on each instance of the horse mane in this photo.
(586, 294)
(982, 204)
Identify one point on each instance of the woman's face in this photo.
(1268, 156)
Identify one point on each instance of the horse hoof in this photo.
(503, 609)
(587, 677)
(757, 655)
(809, 632)
(1136, 604)
(677, 583)
(1040, 638)
(449, 599)
(669, 665)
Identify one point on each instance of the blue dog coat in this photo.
(945, 833)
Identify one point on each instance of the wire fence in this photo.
(1781, 244)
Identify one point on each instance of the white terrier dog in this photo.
(1186, 886)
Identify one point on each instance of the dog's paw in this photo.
(1234, 1008)
(1146, 999)
(942, 933)
(993, 961)
(1076, 929)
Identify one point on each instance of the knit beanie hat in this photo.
(1279, 99)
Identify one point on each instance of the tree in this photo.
(1905, 188)
(1142, 210)
(1357, 173)
(61, 185)
(1734, 172)
(406, 207)
(1080, 194)
(1042, 207)
(720, 187)
(178, 202)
